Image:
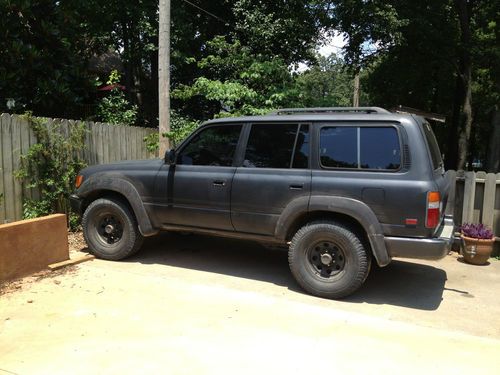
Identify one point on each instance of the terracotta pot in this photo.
(477, 251)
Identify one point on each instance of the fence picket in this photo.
(16, 164)
(3, 121)
(489, 199)
(8, 177)
(469, 195)
(451, 176)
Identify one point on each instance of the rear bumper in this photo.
(423, 248)
(76, 204)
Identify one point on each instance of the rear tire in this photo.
(110, 229)
(328, 259)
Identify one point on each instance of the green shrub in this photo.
(50, 166)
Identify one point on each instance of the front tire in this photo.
(110, 229)
(328, 259)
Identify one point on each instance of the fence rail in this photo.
(104, 143)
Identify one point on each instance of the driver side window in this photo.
(214, 146)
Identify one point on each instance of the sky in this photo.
(332, 44)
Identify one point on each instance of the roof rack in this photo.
(287, 111)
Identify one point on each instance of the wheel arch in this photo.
(355, 214)
(121, 189)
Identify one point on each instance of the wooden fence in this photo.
(104, 143)
(475, 198)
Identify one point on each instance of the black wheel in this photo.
(111, 230)
(328, 259)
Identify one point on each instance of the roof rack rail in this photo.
(286, 111)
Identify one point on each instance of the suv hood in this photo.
(126, 165)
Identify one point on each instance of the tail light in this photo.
(433, 209)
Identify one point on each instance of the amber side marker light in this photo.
(78, 181)
(433, 209)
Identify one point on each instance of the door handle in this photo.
(219, 183)
(296, 186)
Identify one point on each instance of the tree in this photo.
(327, 83)
(43, 65)
(237, 82)
(427, 56)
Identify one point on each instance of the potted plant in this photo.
(478, 243)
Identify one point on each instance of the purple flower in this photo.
(479, 231)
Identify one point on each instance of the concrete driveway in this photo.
(191, 304)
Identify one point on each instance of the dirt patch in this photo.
(76, 242)
(26, 282)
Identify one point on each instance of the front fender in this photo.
(120, 184)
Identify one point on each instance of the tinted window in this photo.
(270, 146)
(213, 146)
(379, 148)
(433, 145)
(338, 147)
(301, 157)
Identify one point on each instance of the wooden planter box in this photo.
(28, 246)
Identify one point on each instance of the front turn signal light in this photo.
(78, 181)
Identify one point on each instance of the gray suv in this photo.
(339, 187)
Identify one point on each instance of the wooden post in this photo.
(164, 74)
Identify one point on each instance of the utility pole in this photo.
(164, 74)
(355, 98)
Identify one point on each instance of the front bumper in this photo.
(423, 248)
(76, 204)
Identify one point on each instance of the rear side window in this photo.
(373, 148)
(433, 145)
(277, 146)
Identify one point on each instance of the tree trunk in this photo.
(465, 120)
(464, 9)
(493, 164)
(451, 158)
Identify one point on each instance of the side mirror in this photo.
(170, 157)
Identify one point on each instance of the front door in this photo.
(196, 190)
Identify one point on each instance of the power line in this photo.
(207, 12)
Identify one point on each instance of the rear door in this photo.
(275, 171)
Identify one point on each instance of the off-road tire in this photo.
(350, 260)
(99, 243)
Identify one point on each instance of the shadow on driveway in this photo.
(402, 283)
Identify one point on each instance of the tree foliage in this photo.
(240, 57)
